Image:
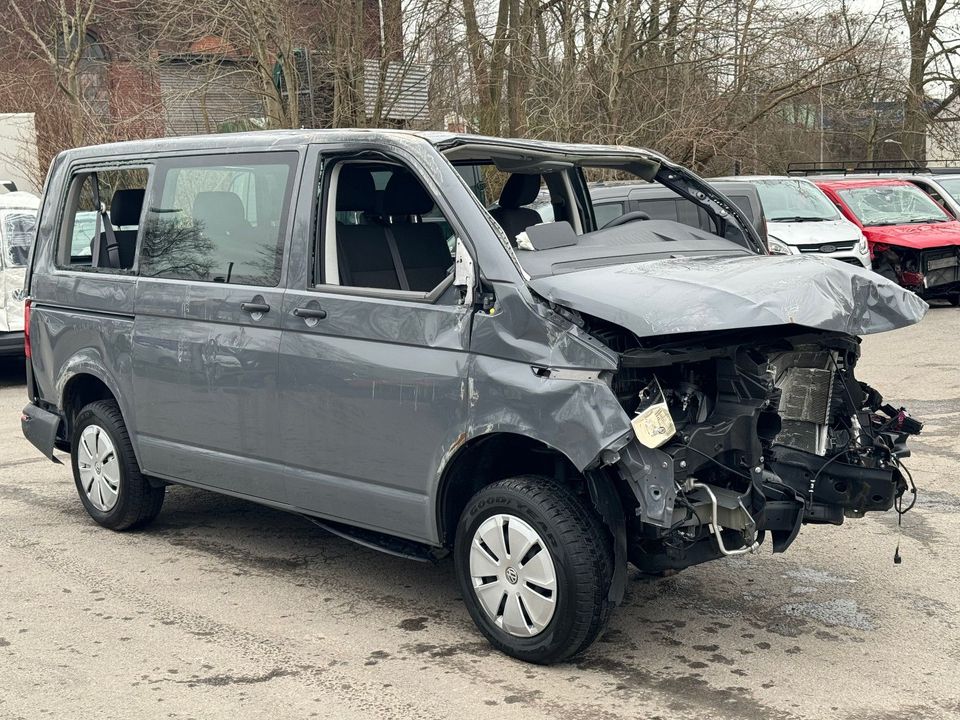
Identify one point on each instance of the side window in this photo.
(605, 212)
(102, 220)
(938, 198)
(218, 218)
(384, 231)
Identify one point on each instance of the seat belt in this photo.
(113, 250)
(397, 262)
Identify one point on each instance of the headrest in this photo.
(356, 191)
(126, 206)
(221, 209)
(519, 190)
(406, 195)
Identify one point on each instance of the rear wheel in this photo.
(534, 563)
(108, 478)
(954, 299)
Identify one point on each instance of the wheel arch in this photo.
(489, 458)
(82, 382)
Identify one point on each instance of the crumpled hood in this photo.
(918, 237)
(697, 294)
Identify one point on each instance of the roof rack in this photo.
(848, 167)
(867, 167)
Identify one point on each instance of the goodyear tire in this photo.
(534, 563)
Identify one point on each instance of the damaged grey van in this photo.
(332, 323)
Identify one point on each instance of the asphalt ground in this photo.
(224, 609)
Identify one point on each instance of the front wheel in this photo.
(108, 478)
(534, 563)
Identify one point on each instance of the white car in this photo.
(18, 218)
(801, 220)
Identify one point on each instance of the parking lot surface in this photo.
(226, 609)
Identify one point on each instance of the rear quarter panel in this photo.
(83, 325)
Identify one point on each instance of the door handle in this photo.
(309, 313)
(255, 307)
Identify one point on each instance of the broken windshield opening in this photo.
(528, 187)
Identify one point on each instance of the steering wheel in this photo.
(626, 218)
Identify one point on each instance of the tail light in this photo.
(26, 326)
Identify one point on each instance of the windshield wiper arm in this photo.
(798, 218)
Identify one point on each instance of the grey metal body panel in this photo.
(369, 399)
(205, 379)
(82, 324)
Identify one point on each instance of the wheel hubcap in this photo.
(513, 575)
(98, 467)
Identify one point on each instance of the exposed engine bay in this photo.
(745, 433)
(930, 273)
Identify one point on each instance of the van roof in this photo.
(294, 138)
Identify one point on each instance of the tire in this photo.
(578, 548)
(954, 299)
(106, 473)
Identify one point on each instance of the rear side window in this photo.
(219, 218)
(102, 220)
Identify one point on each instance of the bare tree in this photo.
(934, 45)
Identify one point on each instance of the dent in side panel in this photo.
(514, 386)
(580, 418)
(522, 329)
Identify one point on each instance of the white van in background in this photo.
(18, 218)
(801, 220)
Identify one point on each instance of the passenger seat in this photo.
(363, 255)
(519, 190)
(424, 256)
(125, 210)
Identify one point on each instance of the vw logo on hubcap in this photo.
(511, 576)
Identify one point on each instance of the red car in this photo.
(913, 240)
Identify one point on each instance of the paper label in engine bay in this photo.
(653, 424)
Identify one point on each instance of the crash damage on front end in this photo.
(737, 375)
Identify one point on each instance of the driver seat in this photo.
(519, 190)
